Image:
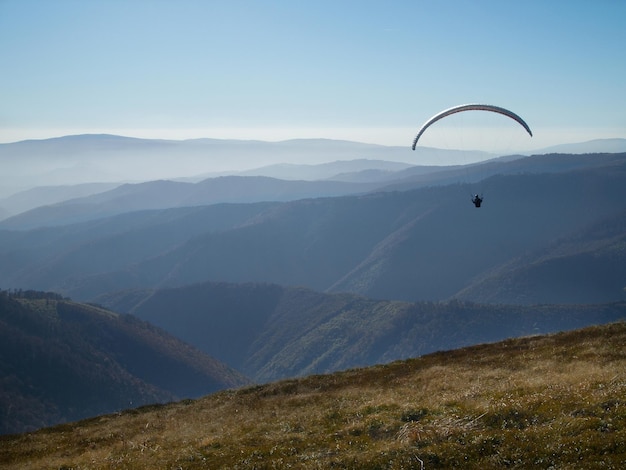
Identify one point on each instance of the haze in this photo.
(363, 71)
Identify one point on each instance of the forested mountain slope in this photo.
(271, 332)
(62, 361)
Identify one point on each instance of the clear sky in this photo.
(363, 70)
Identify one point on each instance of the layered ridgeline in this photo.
(551, 230)
(271, 332)
(538, 402)
(110, 158)
(62, 361)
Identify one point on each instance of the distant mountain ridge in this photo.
(166, 194)
(48, 195)
(592, 146)
(330, 170)
(163, 194)
(89, 158)
(109, 158)
(420, 244)
(349, 171)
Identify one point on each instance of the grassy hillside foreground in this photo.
(554, 401)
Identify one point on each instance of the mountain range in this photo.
(358, 263)
(60, 205)
(548, 219)
(81, 159)
(72, 160)
(167, 194)
(57, 204)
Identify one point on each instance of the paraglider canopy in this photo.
(470, 107)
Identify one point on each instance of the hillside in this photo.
(271, 332)
(46, 195)
(536, 402)
(586, 266)
(428, 243)
(62, 361)
(62, 204)
(411, 178)
(260, 185)
(167, 194)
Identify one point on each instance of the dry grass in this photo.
(544, 402)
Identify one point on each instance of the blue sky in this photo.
(369, 71)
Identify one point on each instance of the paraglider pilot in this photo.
(477, 200)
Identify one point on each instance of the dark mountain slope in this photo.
(423, 244)
(63, 255)
(450, 246)
(223, 318)
(62, 361)
(589, 266)
(271, 332)
(286, 242)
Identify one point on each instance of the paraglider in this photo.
(470, 107)
(476, 199)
